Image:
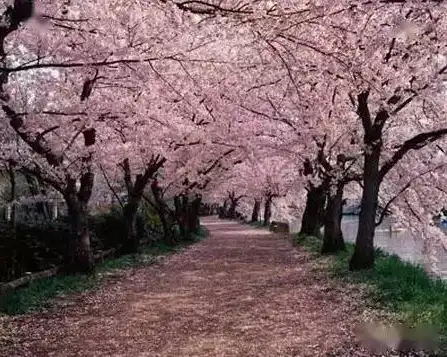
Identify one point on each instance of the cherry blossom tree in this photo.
(386, 62)
(62, 53)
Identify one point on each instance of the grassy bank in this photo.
(394, 285)
(40, 294)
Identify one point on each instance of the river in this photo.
(400, 242)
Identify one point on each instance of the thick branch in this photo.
(415, 143)
(215, 162)
(363, 111)
(37, 144)
(87, 177)
(402, 190)
(87, 180)
(208, 8)
(141, 180)
(105, 63)
(127, 175)
(154, 165)
(379, 122)
(36, 172)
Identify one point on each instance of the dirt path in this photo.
(241, 292)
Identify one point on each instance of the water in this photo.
(400, 242)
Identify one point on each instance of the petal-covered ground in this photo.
(241, 292)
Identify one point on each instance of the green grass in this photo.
(39, 294)
(394, 285)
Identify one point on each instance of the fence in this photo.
(35, 211)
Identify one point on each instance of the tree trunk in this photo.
(163, 214)
(185, 218)
(79, 258)
(131, 242)
(187, 215)
(193, 214)
(232, 209)
(363, 257)
(256, 209)
(223, 210)
(196, 204)
(314, 211)
(267, 211)
(178, 215)
(168, 234)
(333, 237)
(13, 208)
(181, 212)
(135, 192)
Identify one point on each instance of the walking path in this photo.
(241, 292)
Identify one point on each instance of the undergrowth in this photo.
(39, 294)
(394, 285)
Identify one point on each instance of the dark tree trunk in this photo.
(234, 201)
(333, 237)
(177, 214)
(373, 174)
(79, 257)
(256, 209)
(187, 215)
(194, 210)
(163, 213)
(131, 242)
(232, 209)
(181, 213)
(267, 210)
(223, 210)
(314, 212)
(363, 257)
(134, 194)
(168, 234)
(185, 218)
(12, 181)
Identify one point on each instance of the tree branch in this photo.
(207, 8)
(403, 189)
(105, 63)
(415, 143)
(110, 186)
(37, 144)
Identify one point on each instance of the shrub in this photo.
(36, 246)
(107, 229)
